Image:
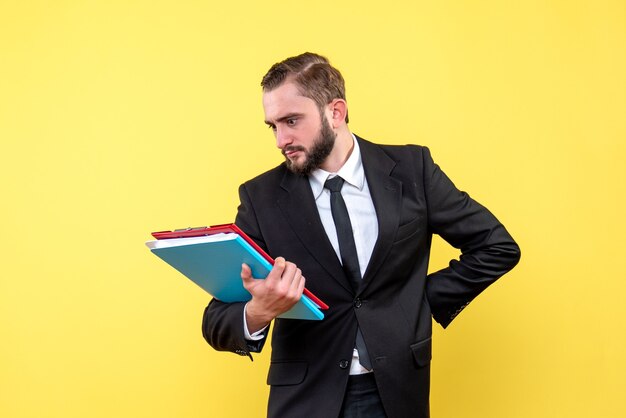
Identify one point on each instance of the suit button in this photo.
(357, 303)
(344, 364)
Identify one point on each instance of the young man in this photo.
(353, 220)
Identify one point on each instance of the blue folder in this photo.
(214, 264)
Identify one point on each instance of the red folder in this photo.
(228, 228)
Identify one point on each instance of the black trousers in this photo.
(361, 399)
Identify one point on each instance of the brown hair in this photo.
(312, 74)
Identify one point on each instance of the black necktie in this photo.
(347, 249)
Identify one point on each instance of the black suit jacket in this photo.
(413, 199)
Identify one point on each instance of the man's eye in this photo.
(291, 122)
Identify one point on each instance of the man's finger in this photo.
(277, 270)
(246, 273)
(297, 280)
(301, 286)
(289, 273)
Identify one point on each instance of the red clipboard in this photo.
(228, 228)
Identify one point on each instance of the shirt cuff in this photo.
(246, 333)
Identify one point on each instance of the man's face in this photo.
(302, 132)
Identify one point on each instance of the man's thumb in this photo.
(246, 273)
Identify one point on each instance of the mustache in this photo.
(291, 148)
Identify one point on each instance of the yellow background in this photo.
(118, 118)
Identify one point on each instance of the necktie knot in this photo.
(335, 184)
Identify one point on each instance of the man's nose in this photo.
(282, 138)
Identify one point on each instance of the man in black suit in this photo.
(370, 356)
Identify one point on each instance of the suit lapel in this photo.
(386, 194)
(298, 206)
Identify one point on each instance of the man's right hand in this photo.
(272, 296)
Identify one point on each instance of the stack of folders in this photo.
(212, 258)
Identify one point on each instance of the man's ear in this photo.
(339, 109)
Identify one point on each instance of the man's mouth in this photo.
(290, 152)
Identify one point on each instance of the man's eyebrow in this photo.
(283, 118)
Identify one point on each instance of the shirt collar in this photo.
(352, 172)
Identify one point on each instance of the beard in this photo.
(316, 155)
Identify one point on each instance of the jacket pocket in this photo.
(408, 229)
(287, 373)
(422, 352)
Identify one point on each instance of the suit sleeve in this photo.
(222, 323)
(487, 249)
